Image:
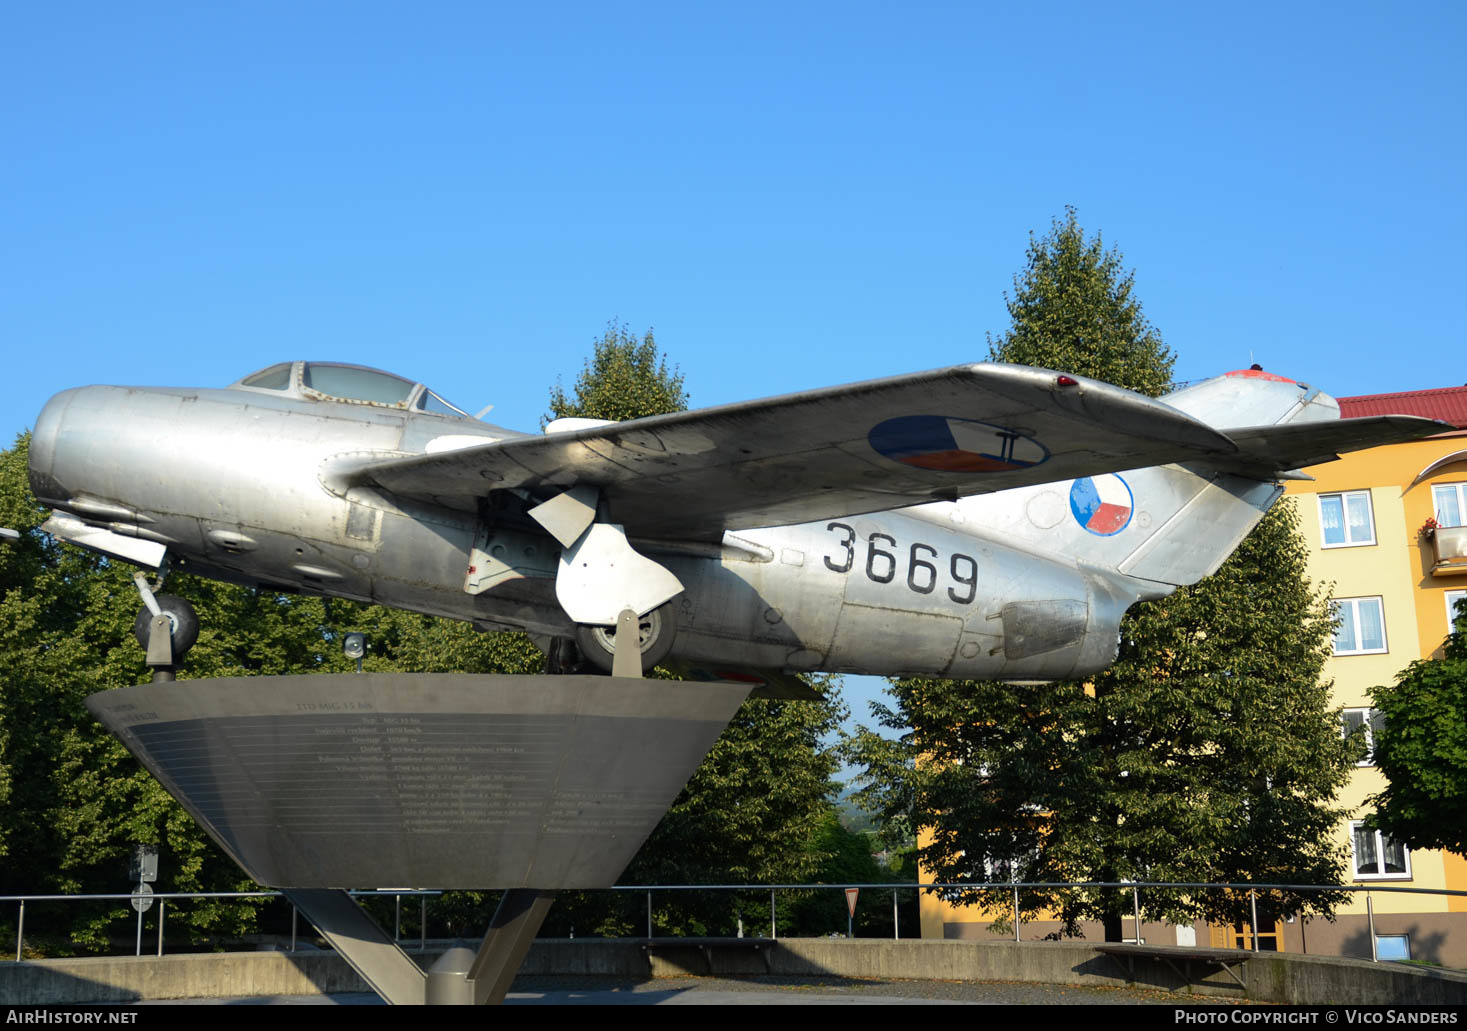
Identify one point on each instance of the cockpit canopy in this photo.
(353, 384)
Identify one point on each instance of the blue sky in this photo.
(793, 195)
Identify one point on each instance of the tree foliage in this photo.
(1074, 310)
(1207, 752)
(751, 811)
(1422, 749)
(78, 802)
(625, 378)
(849, 860)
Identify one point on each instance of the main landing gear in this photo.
(593, 648)
(599, 579)
(655, 633)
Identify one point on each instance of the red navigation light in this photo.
(1066, 381)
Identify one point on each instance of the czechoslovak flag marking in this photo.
(1102, 504)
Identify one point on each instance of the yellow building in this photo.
(1363, 518)
(1394, 579)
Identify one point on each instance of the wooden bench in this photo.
(706, 947)
(1231, 961)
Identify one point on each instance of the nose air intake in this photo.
(44, 443)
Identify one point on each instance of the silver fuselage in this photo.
(250, 486)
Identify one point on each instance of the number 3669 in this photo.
(883, 560)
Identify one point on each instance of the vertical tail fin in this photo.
(1164, 526)
(1211, 511)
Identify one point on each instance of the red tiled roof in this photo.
(1449, 404)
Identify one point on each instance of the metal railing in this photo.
(162, 899)
(1013, 889)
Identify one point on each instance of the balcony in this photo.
(1449, 550)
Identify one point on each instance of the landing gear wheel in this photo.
(656, 632)
(181, 615)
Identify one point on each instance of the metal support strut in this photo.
(459, 977)
(160, 632)
(367, 949)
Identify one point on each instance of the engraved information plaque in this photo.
(423, 780)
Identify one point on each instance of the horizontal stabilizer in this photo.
(1265, 451)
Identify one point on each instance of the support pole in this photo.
(20, 930)
(519, 916)
(773, 917)
(1253, 901)
(1370, 919)
(365, 946)
(162, 905)
(627, 659)
(1136, 911)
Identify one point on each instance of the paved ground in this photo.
(695, 991)
(757, 991)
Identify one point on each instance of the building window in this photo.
(1009, 869)
(1450, 501)
(1454, 598)
(1345, 520)
(1362, 721)
(1377, 856)
(1393, 947)
(1241, 937)
(1361, 628)
(999, 871)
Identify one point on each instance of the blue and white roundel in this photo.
(949, 444)
(1102, 504)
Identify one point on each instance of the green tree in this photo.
(1422, 749)
(75, 802)
(625, 378)
(78, 803)
(1207, 752)
(751, 813)
(752, 809)
(1074, 310)
(849, 860)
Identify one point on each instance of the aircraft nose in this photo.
(44, 442)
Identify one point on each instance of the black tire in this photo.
(180, 613)
(658, 631)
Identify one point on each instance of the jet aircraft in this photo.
(989, 521)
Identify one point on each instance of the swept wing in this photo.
(863, 447)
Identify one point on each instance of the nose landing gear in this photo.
(167, 627)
